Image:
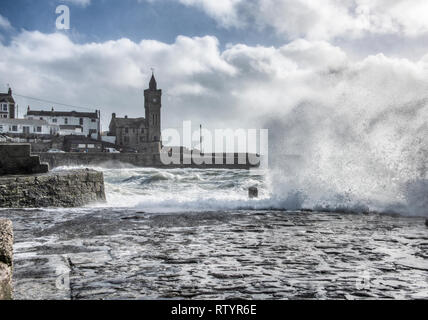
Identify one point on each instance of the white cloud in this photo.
(113, 74)
(4, 23)
(322, 20)
(221, 10)
(194, 72)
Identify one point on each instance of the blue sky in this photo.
(103, 20)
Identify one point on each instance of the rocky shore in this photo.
(67, 189)
(6, 259)
(86, 254)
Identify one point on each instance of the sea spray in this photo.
(351, 158)
(291, 186)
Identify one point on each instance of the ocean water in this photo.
(188, 233)
(177, 190)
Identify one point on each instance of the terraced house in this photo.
(7, 105)
(27, 128)
(70, 123)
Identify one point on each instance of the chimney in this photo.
(28, 109)
(53, 109)
(126, 117)
(114, 116)
(10, 91)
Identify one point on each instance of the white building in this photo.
(71, 130)
(70, 123)
(7, 105)
(27, 127)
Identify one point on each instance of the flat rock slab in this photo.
(123, 254)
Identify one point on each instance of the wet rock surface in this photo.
(124, 254)
(6, 259)
(72, 188)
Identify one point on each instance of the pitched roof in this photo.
(129, 122)
(91, 115)
(5, 97)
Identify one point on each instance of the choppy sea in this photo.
(195, 234)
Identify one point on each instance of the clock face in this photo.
(155, 100)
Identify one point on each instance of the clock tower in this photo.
(153, 105)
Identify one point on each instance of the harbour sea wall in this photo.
(56, 160)
(25, 182)
(66, 189)
(6, 259)
(17, 159)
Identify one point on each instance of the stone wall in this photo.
(67, 189)
(6, 259)
(17, 159)
(56, 160)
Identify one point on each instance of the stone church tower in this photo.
(153, 105)
(141, 134)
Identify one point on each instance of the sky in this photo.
(223, 63)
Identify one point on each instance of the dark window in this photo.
(14, 128)
(39, 129)
(126, 140)
(126, 130)
(142, 131)
(81, 121)
(93, 120)
(54, 120)
(66, 121)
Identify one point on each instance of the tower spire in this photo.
(153, 84)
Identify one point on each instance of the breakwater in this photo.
(6, 259)
(222, 161)
(67, 189)
(17, 159)
(25, 182)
